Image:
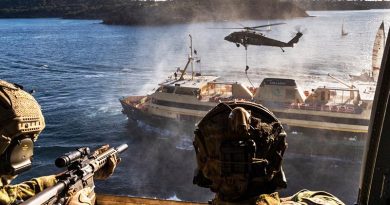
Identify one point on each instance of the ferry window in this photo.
(189, 118)
(290, 94)
(168, 89)
(184, 91)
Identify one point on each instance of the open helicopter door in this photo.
(375, 179)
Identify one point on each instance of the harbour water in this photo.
(80, 68)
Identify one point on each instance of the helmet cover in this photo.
(239, 148)
(21, 121)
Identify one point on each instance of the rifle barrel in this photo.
(46, 195)
(121, 148)
(52, 193)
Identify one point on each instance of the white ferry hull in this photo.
(161, 115)
(325, 125)
(319, 120)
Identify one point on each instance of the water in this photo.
(80, 68)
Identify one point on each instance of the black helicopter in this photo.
(249, 36)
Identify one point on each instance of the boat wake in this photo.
(183, 141)
(151, 130)
(174, 198)
(325, 158)
(185, 144)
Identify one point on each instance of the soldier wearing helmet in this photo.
(239, 149)
(21, 122)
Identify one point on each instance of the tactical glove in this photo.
(85, 196)
(108, 169)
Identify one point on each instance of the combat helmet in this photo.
(21, 121)
(239, 149)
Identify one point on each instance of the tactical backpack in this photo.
(238, 167)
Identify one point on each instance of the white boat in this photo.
(343, 32)
(324, 108)
(187, 97)
(183, 97)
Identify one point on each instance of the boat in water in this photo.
(372, 185)
(183, 97)
(324, 108)
(187, 97)
(343, 32)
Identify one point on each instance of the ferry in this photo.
(325, 108)
(184, 96)
(373, 186)
(187, 97)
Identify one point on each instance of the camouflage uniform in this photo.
(314, 197)
(303, 197)
(21, 122)
(239, 148)
(10, 194)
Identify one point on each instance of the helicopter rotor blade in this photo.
(251, 27)
(261, 30)
(227, 28)
(272, 24)
(242, 25)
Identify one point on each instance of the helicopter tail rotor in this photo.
(300, 29)
(295, 39)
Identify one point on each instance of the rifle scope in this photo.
(71, 157)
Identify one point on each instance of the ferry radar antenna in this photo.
(352, 86)
(190, 60)
(192, 63)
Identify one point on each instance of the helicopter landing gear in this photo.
(282, 49)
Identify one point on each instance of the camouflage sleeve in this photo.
(312, 197)
(268, 199)
(11, 193)
(303, 197)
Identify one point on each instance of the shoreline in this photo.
(156, 12)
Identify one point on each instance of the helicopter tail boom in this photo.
(295, 39)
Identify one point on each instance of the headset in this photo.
(21, 121)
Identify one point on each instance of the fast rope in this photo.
(246, 66)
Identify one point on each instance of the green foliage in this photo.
(151, 12)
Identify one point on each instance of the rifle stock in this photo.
(82, 172)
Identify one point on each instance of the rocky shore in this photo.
(132, 12)
(341, 5)
(183, 11)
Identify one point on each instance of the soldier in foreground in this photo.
(21, 122)
(239, 150)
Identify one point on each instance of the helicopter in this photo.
(249, 36)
